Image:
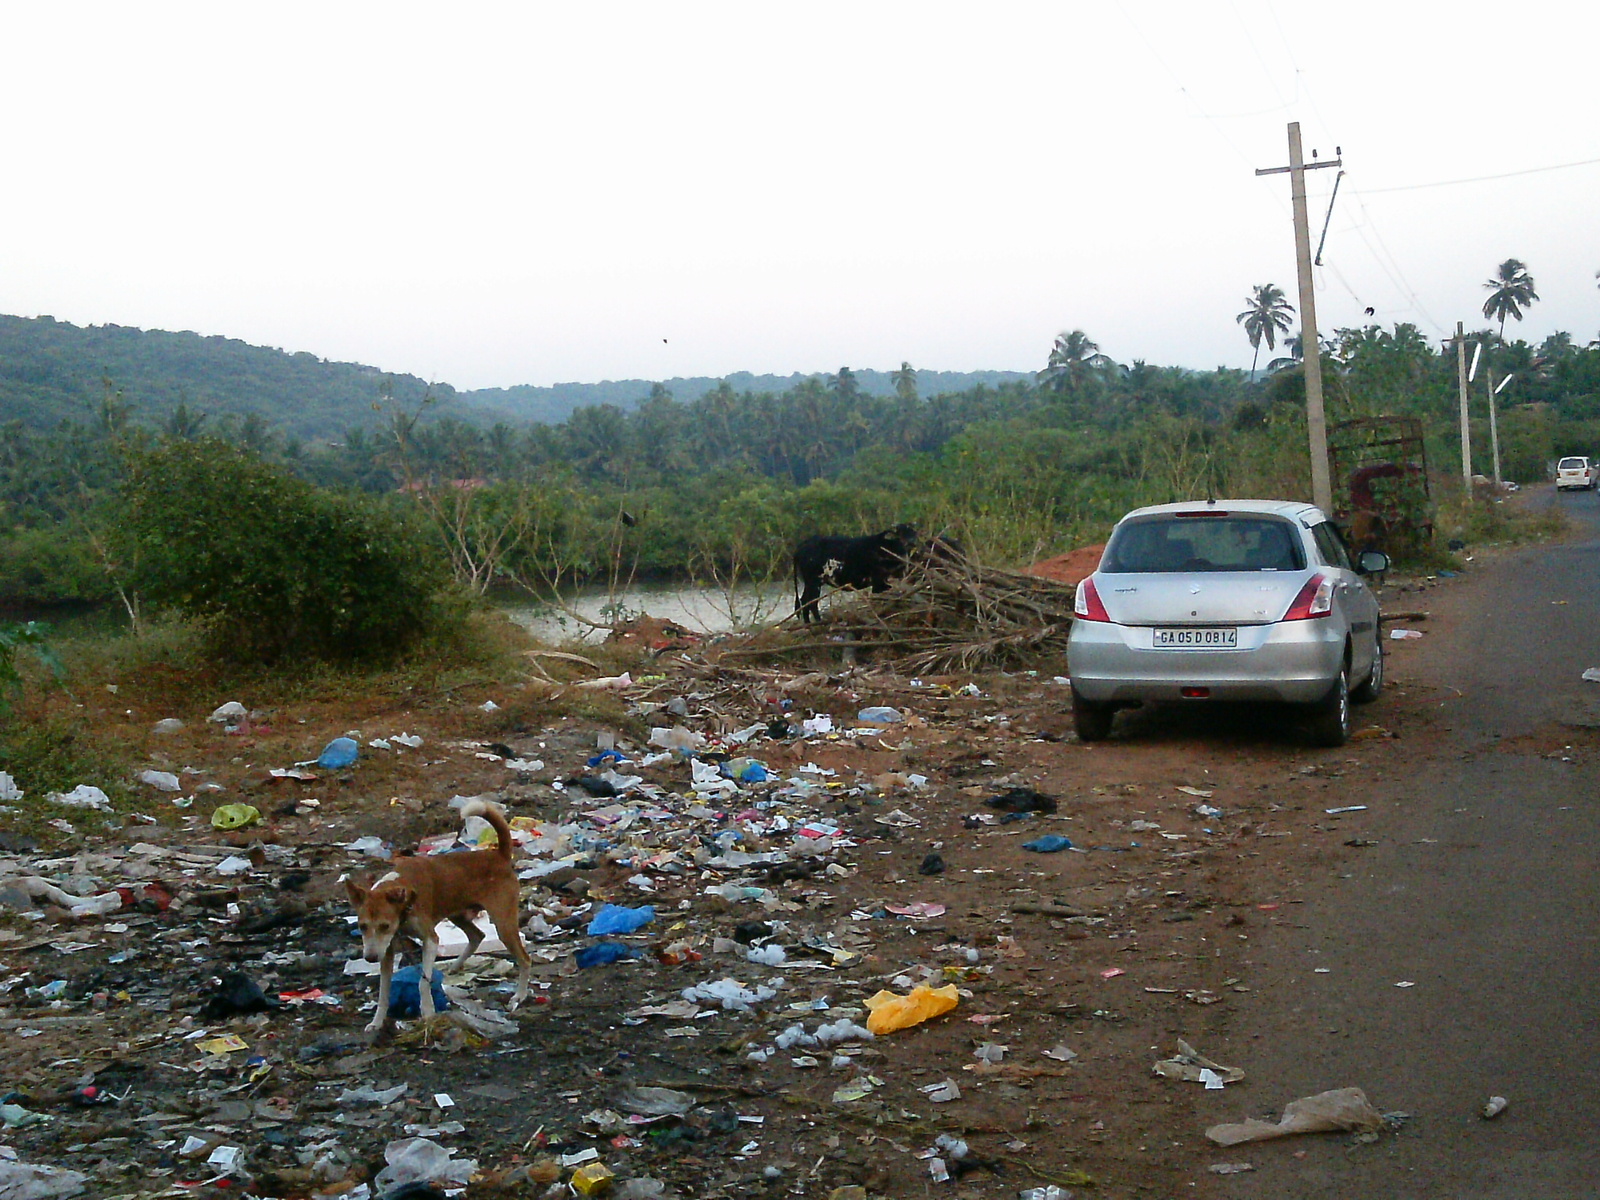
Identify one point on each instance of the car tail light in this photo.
(1195, 693)
(1314, 600)
(1086, 604)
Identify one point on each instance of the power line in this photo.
(1412, 187)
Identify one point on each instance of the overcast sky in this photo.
(489, 194)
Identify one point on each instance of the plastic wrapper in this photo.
(891, 1012)
(1339, 1111)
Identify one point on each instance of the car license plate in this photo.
(1196, 639)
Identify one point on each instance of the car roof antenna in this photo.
(1211, 490)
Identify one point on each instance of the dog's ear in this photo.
(356, 891)
(403, 896)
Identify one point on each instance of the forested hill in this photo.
(555, 404)
(52, 371)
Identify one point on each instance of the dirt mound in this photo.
(1072, 567)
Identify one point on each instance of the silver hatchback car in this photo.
(1226, 600)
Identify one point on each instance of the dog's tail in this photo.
(496, 816)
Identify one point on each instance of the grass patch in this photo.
(1485, 521)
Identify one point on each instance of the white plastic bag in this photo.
(1343, 1109)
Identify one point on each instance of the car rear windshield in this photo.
(1223, 542)
(1572, 464)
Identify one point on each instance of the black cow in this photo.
(869, 562)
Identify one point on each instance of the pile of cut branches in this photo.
(940, 615)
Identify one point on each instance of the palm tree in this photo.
(1072, 357)
(1264, 318)
(1510, 291)
(905, 382)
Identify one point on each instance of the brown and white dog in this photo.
(420, 892)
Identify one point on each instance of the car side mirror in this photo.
(1372, 562)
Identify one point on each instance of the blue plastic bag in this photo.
(613, 918)
(340, 753)
(601, 953)
(1048, 844)
(405, 988)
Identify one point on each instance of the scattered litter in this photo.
(1338, 1111)
(1402, 635)
(165, 781)
(405, 1000)
(1592, 675)
(227, 713)
(25, 1181)
(880, 716)
(419, 1160)
(656, 1101)
(941, 1093)
(921, 910)
(367, 1094)
(858, 1088)
(1230, 1168)
(732, 995)
(1022, 800)
(603, 954)
(234, 816)
(609, 683)
(1406, 983)
(1496, 1106)
(613, 918)
(1193, 1067)
(85, 795)
(891, 1012)
(1050, 843)
(1348, 808)
(340, 753)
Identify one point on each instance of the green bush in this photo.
(49, 564)
(273, 566)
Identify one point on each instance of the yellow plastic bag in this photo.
(891, 1011)
(235, 816)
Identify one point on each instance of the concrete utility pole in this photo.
(1310, 349)
(1494, 430)
(1466, 425)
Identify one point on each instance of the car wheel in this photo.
(1091, 720)
(1330, 721)
(1373, 684)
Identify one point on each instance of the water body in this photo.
(696, 608)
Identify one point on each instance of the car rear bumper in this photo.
(1292, 661)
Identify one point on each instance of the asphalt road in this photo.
(1481, 892)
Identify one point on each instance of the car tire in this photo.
(1091, 720)
(1373, 684)
(1330, 719)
